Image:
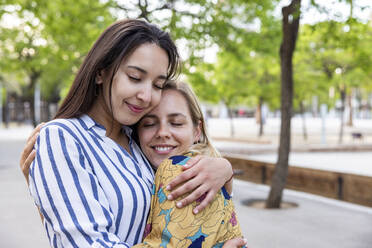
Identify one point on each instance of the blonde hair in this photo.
(204, 145)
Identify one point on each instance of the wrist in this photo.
(230, 179)
(231, 172)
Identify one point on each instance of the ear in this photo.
(197, 132)
(99, 77)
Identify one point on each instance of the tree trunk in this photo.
(302, 109)
(258, 112)
(291, 21)
(259, 118)
(6, 110)
(350, 106)
(232, 130)
(34, 76)
(19, 110)
(343, 96)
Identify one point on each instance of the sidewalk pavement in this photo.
(20, 224)
(316, 222)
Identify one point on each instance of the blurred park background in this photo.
(309, 108)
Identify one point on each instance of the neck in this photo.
(100, 113)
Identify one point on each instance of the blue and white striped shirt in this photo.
(91, 191)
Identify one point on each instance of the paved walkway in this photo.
(316, 222)
(20, 224)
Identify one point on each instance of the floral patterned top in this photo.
(169, 226)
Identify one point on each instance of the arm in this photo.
(68, 193)
(202, 175)
(229, 184)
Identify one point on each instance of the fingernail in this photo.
(245, 241)
(170, 197)
(179, 204)
(195, 211)
(168, 187)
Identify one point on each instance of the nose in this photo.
(145, 92)
(163, 131)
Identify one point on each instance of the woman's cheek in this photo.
(148, 134)
(156, 97)
(185, 137)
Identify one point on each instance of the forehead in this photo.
(150, 58)
(171, 102)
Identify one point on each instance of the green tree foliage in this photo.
(67, 29)
(335, 53)
(332, 57)
(44, 41)
(247, 67)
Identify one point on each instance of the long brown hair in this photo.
(116, 43)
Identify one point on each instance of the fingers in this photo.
(26, 165)
(205, 202)
(233, 243)
(30, 143)
(36, 130)
(28, 148)
(191, 162)
(183, 177)
(28, 154)
(189, 186)
(197, 195)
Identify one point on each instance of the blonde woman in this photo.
(169, 136)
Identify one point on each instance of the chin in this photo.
(128, 121)
(157, 162)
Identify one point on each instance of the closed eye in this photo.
(159, 84)
(148, 124)
(134, 78)
(177, 124)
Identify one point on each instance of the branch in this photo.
(164, 6)
(116, 5)
(170, 6)
(189, 14)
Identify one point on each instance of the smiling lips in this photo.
(135, 109)
(163, 149)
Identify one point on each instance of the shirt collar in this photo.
(90, 123)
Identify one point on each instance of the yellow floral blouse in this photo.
(169, 226)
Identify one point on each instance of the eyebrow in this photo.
(144, 71)
(170, 115)
(176, 115)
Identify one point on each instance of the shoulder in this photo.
(174, 162)
(180, 159)
(65, 127)
(63, 123)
